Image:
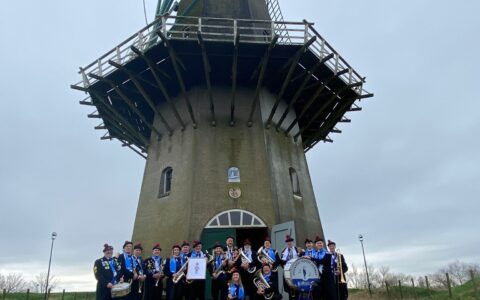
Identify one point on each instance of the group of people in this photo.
(236, 273)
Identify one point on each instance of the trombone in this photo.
(339, 268)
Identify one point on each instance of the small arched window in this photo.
(295, 183)
(165, 182)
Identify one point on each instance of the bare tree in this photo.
(41, 280)
(13, 282)
(354, 277)
(384, 272)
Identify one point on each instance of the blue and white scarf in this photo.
(236, 291)
(129, 264)
(157, 260)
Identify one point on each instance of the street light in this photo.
(360, 238)
(54, 236)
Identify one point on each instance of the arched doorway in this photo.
(238, 223)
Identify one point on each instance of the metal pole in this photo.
(401, 291)
(413, 288)
(28, 294)
(449, 286)
(388, 290)
(360, 237)
(54, 235)
(472, 275)
(428, 287)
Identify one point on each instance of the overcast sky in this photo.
(405, 173)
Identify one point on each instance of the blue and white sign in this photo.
(233, 174)
(301, 274)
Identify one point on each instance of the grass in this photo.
(464, 292)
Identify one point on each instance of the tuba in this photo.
(263, 257)
(246, 260)
(340, 267)
(260, 282)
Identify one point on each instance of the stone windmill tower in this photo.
(222, 98)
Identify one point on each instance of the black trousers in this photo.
(219, 289)
(197, 290)
(153, 292)
(174, 291)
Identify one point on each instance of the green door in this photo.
(209, 237)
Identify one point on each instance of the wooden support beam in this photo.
(85, 102)
(355, 107)
(100, 127)
(344, 120)
(155, 72)
(336, 95)
(234, 78)
(263, 68)
(313, 98)
(336, 116)
(105, 104)
(207, 69)
(336, 75)
(144, 94)
(301, 88)
(128, 101)
(118, 130)
(336, 130)
(286, 81)
(126, 144)
(94, 115)
(174, 59)
(78, 88)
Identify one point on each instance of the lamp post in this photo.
(360, 238)
(54, 236)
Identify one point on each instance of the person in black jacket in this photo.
(247, 277)
(272, 279)
(332, 286)
(217, 268)
(197, 287)
(138, 288)
(107, 271)
(172, 266)
(127, 264)
(154, 272)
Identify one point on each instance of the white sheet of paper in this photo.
(197, 268)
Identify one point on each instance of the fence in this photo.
(409, 290)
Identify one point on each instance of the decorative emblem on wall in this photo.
(235, 192)
(233, 174)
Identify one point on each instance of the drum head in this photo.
(301, 274)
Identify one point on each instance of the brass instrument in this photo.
(181, 273)
(263, 257)
(162, 264)
(340, 267)
(246, 260)
(261, 283)
(218, 271)
(138, 276)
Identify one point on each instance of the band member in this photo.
(272, 279)
(173, 264)
(229, 251)
(334, 269)
(127, 264)
(318, 256)
(137, 285)
(185, 289)
(309, 251)
(247, 268)
(235, 287)
(217, 268)
(197, 287)
(288, 253)
(107, 271)
(154, 271)
(268, 255)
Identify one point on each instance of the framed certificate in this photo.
(197, 268)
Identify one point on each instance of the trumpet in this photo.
(263, 257)
(261, 283)
(246, 260)
(217, 271)
(162, 264)
(340, 267)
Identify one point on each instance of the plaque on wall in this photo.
(234, 192)
(233, 174)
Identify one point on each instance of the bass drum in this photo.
(120, 290)
(301, 274)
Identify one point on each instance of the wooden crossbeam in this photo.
(207, 69)
(286, 81)
(155, 72)
(110, 110)
(336, 95)
(119, 130)
(144, 94)
(129, 145)
(128, 101)
(263, 68)
(94, 115)
(318, 92)
(234, 78)
(301, 88)
(173, 58)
